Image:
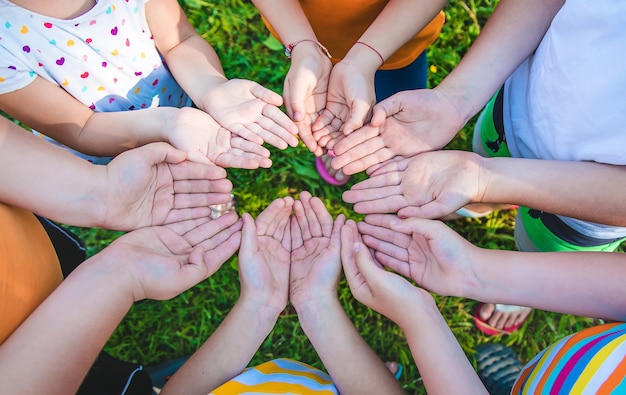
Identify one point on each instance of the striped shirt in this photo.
(592, 361)
(280, 376)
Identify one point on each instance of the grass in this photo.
(156, 331)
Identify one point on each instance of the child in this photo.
(106, 76)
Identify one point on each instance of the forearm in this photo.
(49, 181)
(511, 34)
(226, 353)
(196, 67)
(407, 18)
(559, 187)
(56, 345)
(580, 283)
(441, 362)
(287, 19)
(339, 345)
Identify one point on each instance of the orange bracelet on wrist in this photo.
(291, 46)
(373, 49)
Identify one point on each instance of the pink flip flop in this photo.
(489, 330)
(326, 176)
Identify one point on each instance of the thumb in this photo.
(248, 235)
(163, 152)
(366, 265)
(383, 110)
(267, 95)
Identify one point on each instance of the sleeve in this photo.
(14, 74)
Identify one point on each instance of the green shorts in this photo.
(535, 230)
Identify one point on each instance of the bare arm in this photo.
(315, 274)
(582, 283)
(241, 106)
(57, 344)
(439, 358)
(264, 275)
(151, 185)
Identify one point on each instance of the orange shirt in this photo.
(338, 25)
(29, 267)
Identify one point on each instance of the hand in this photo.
(315, 243)
(349, 102)
(264, 256)
(305, 89)
(251, 111)
(405, 124)
(161, 261)
(428, 185)
(372, 285)
(427, 251)
(155, 185)
(199, 134)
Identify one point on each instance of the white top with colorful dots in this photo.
(105, 58)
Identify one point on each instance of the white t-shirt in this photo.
(105, 58)
(567, 101)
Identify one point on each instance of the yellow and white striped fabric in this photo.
(280, 376)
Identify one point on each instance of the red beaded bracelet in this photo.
(290, 47)
(373, 49)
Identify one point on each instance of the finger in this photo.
(301, 218)
(182, 227)
(355, 139)
(313, 221)
(359, 114)
(273, 216)
(268, 96)
(360, 151)
(244, 132)
(184, 214)
(385, 109)
(249, 239)
(283, 124)
(304, 131)
(388, 179)
(236, 159)
(397, 265)
(432, 210)
(282, 226)
(204, 233)
(196, 171)
(393, 250)
(385, 233)
(397, 165)
(324, 219)
(296, 232)
(369, 194)
(323, 123)
(190, 200)
(387, 205)
(335, 235)
(216, 257)
(249, 147)
(369, 161)
(347, 253)
(202, 186)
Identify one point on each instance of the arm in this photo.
(581, 283)
(422, 120)
(351, 88)
(57, 344)
(241, 106)
(315, 274)
(151, 185)
(68, 121)
(439, 357)
(264, 275)
(306, 83)
(435, 184)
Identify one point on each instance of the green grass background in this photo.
(157, 331)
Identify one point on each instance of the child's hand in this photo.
(428, 185)
(427, 251)
(349, 101)
(372, 285)
(264, 256)
(315, 240)
(155, 185)
(163, 261)
(305, 88)
(251, 111)
(199, 134)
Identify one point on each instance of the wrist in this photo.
(364, 57)
(313, 313)
(262, 310)
(460, 99)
